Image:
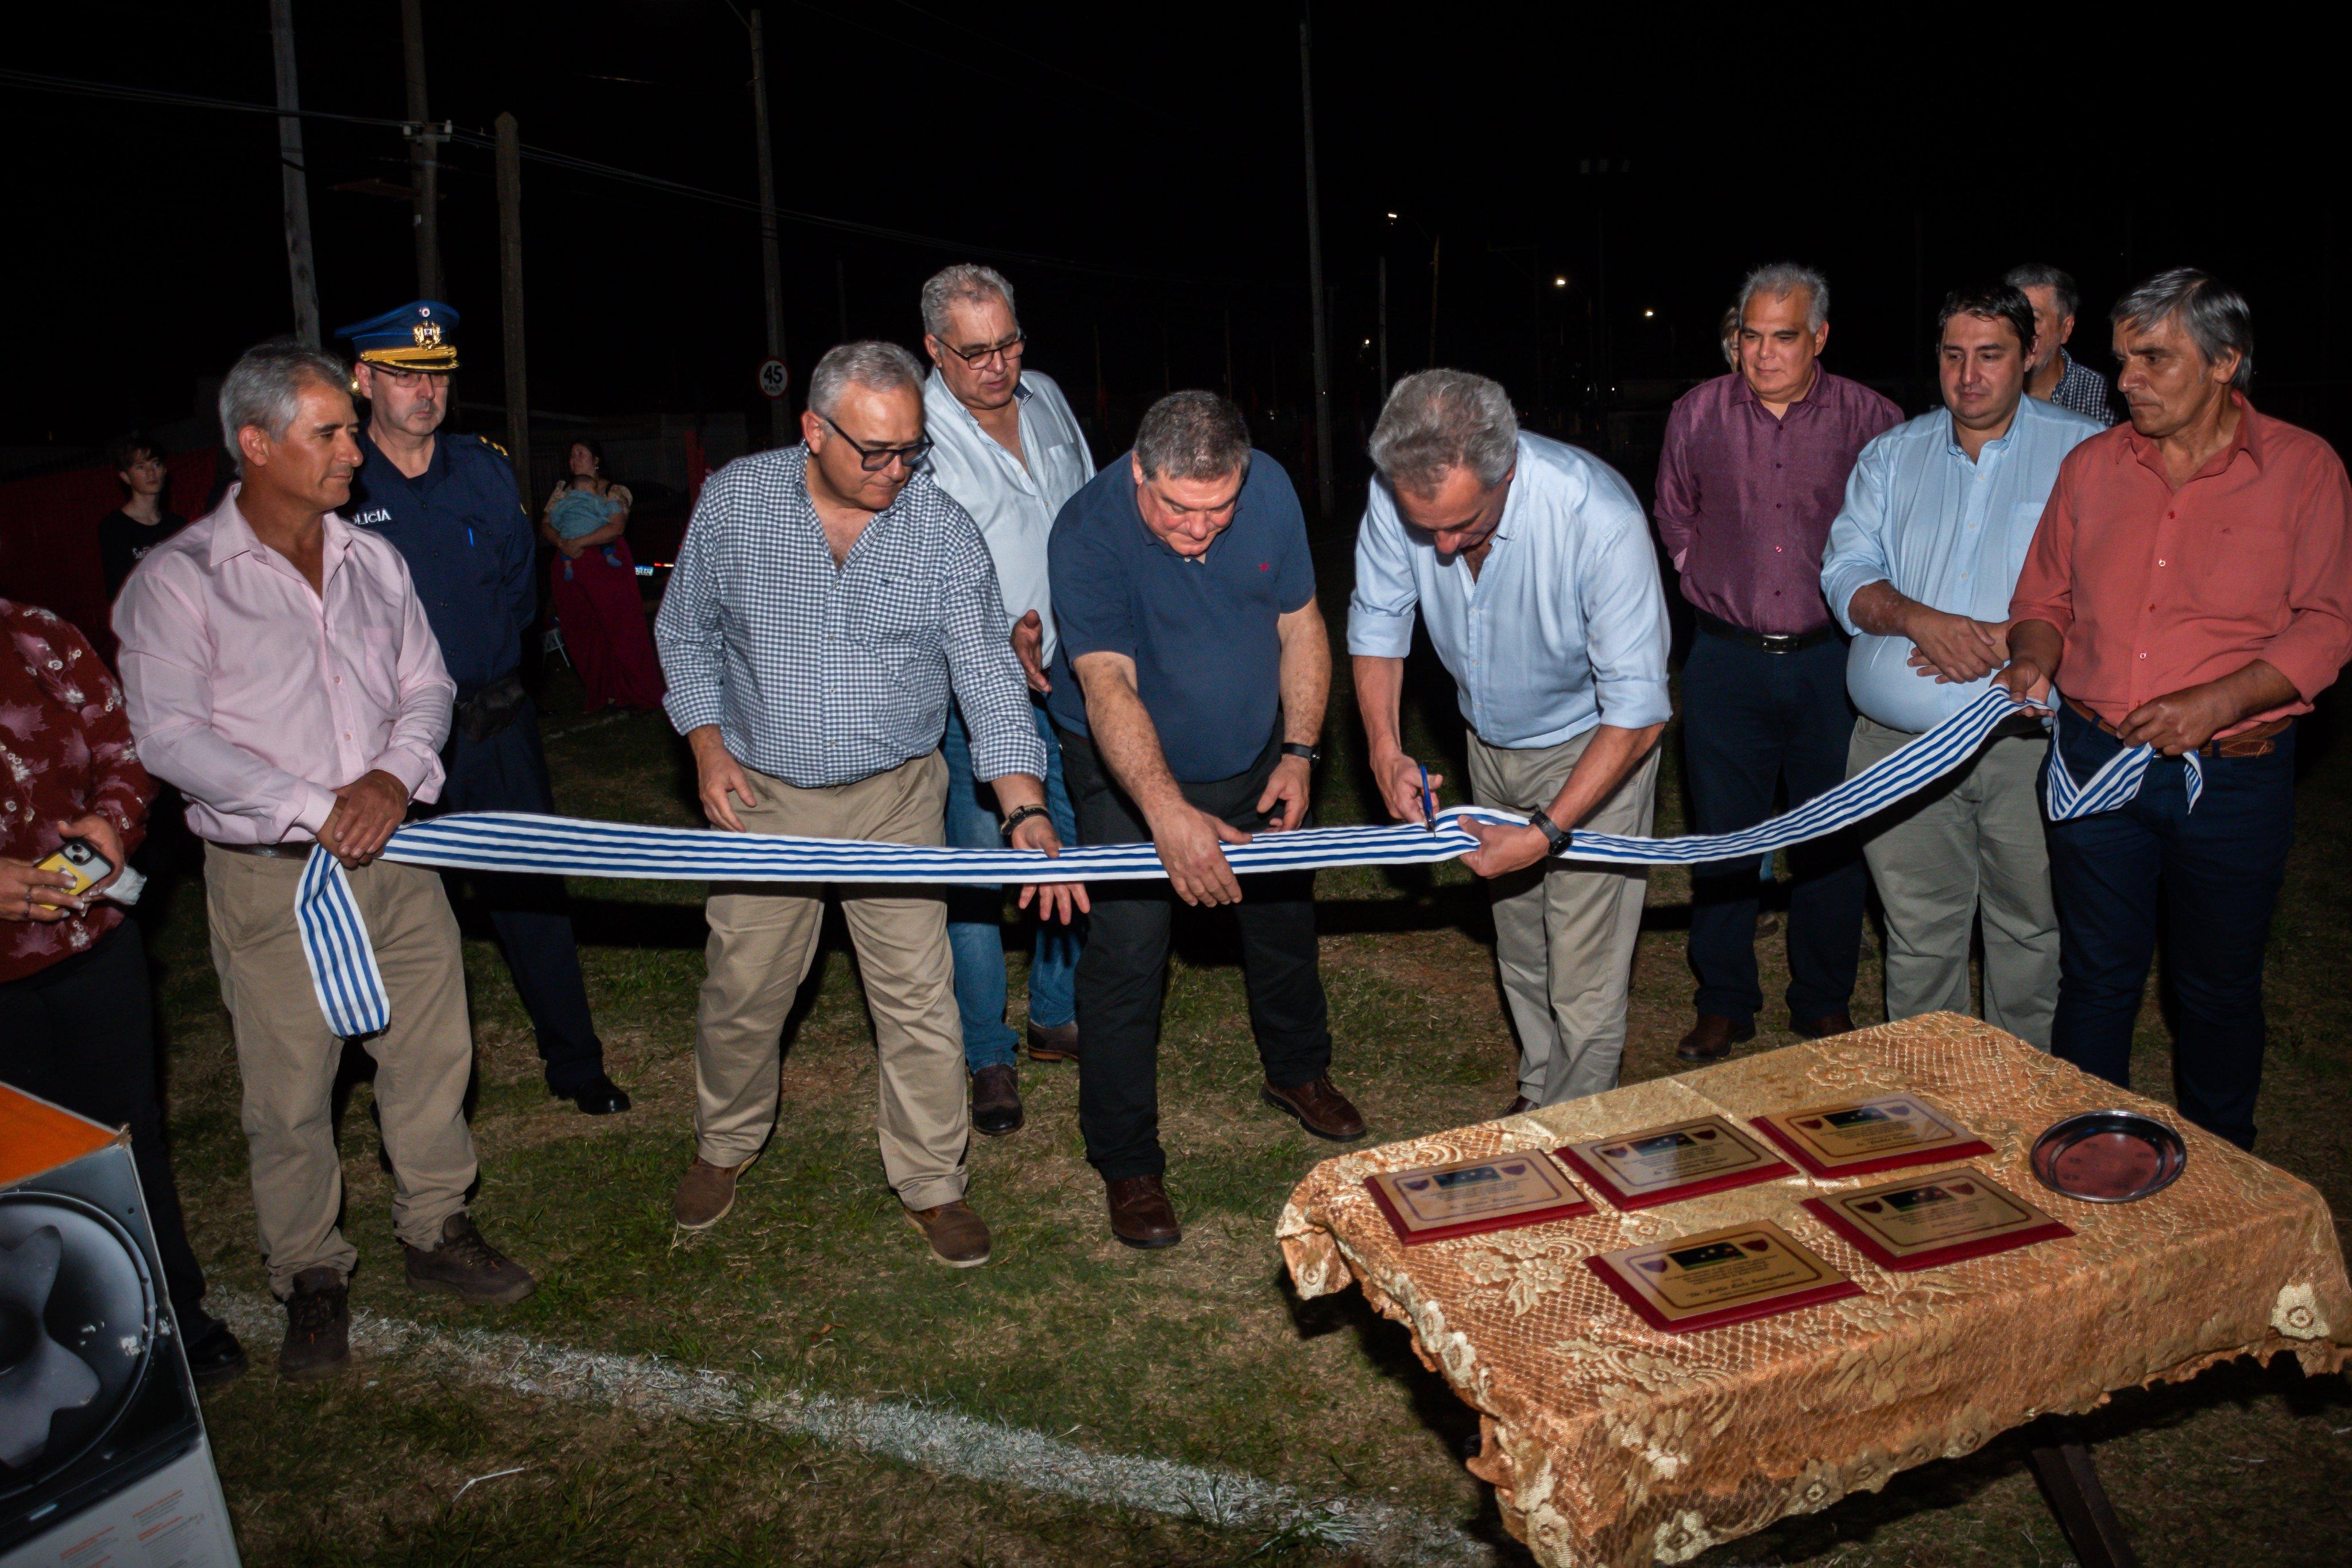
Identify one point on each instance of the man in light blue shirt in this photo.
(1006, 447)
(1531, 563)
(1938, 515)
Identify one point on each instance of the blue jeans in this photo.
(2218, 871)
(975, 914)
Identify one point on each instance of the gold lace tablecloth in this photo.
(1609, 1442)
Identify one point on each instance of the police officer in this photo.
(449, 505)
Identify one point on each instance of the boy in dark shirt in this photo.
(144, 522)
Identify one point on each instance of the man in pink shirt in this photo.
(2189, 588)
(279, 670)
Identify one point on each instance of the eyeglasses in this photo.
(874, 459)
(1009, 349)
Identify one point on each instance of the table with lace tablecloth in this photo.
(1609, 1442)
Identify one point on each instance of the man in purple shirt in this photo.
(1753, 473)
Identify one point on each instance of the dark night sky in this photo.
(1152, 138)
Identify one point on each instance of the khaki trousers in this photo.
(287, 1056)
(762, 945)
(1564, 930)
(1974, 839)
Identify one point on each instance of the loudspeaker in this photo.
(102, 1450)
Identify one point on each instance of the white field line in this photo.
(927, 1437)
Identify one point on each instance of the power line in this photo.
(75, 86)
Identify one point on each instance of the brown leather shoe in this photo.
(995, 1101)
(1140, 1214)
(468, 1267)
(1819, 1027)
(1055, 1042)
(959, 1237)
(318, 1327)
(1712, 1038)
(705, 1195)
(1321, 1108)
(1519, 1106)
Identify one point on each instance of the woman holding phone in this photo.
(73, 973)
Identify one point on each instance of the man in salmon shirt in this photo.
(2189, 590)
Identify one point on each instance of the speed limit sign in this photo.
(774, 378)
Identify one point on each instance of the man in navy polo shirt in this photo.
(1189, 691)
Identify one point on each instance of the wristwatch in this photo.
(1554, 834)
(1292, 749)
(1020, 815)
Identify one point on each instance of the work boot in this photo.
(1140, 1214)
(705, 1195)
(318, 1327)
(959, 1237)
(995, 1101)
(1712, 1036)
(468, 1267)
(1054, 1043)
(1321, 1108)
(1821, 1027)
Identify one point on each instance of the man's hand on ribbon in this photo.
(1022, 792)
(1187, 840)
(1287, 793)
(717, 777)
(366, 813)
(1503, 848)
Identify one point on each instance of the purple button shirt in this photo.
(1745, 500)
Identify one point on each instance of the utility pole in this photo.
(425, 165)
(770, 259)
(1325, 491)
(510, 300)
(293, 176)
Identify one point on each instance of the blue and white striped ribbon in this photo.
(2116, 781)
(351, 991)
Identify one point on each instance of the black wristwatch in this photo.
(1292, 749)
(1020, 815)
(1554, 834)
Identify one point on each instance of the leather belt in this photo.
(1769, 643)
(2259, 741)
(299, 850)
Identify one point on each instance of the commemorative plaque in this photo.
(1719, 1277)
(1668, 1164)
(1926, 1222)
(1859, 1137)
(1499, 1192)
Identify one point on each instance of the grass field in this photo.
(815, 1286)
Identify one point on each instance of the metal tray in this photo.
(2108, 1157)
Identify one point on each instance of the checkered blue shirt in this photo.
(2083, 389)
(821, 676)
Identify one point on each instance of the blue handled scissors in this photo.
(1428, 801)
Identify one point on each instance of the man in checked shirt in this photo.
(826, 600)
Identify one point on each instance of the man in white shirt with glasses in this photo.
(1008, 449)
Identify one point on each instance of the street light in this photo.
(1559, 282)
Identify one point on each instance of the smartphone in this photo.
(79, 860)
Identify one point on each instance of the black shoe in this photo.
(213, 1354)
(996, 1100)
(318, 1327)
(600, 1096)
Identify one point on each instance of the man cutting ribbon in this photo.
(2190, 588)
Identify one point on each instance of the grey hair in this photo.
(875, 366)
(1730, 330)
(966, 280)
(2042, 275)
(265, 386)
(2217, 317)
(1438, 420)
(1192, 436)
(1782, 278)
